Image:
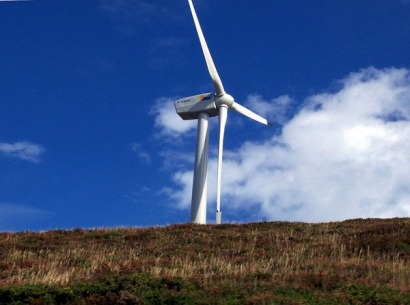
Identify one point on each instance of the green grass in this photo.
(352, 262)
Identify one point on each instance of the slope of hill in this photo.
(351, 262)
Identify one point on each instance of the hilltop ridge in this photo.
(361, 261)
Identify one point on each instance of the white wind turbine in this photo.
(202, 107)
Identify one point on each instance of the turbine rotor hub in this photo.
(224, 99)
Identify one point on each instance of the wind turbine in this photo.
(201, 107)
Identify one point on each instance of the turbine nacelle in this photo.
(189, 108)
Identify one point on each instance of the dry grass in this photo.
(312, 256)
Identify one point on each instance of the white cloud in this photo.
(168, 121)
(22, 150)
(345, 154)
(277, 110)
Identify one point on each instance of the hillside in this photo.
(350, 262)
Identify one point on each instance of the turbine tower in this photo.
(201, 107)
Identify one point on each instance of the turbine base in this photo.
(218, 217)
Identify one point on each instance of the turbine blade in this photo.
(219, 89)
(250, 114)
(223, 115)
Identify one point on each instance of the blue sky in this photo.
(89, 137)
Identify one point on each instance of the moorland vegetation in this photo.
(362, 261)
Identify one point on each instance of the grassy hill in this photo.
(350, 262)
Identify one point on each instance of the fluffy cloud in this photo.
(278, 110)
(168, 121)
(344, 154)
(22, 150)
